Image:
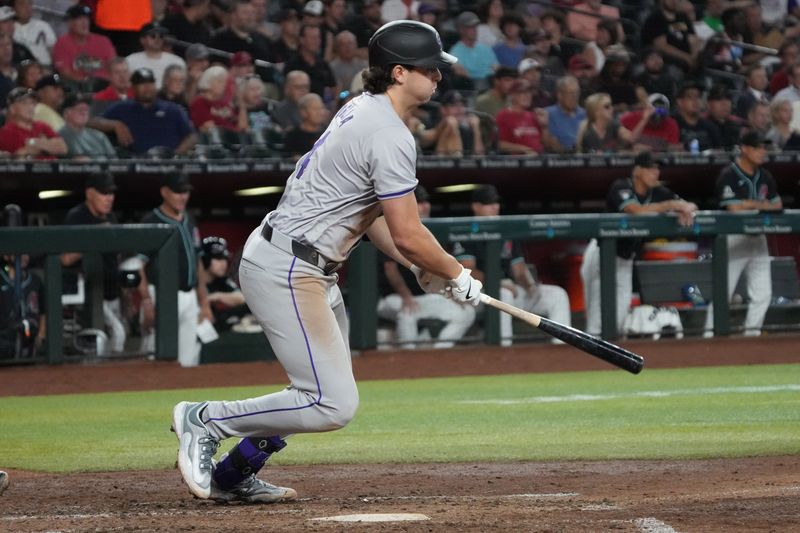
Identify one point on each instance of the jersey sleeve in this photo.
(392, 157)
(620, 197)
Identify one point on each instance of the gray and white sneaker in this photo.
(197, 448)
(252, 490)
(4, 482)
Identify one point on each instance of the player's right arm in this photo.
(413, 240)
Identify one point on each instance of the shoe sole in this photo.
(289, 495)
(184, 465)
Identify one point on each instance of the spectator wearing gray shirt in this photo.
(345, 64)
(83, 142)
(287, 114)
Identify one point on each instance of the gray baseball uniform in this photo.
(287, 273)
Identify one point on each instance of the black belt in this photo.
(301, 251)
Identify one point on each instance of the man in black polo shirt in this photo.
(640, 194)
(744, 185)
(193, 305)
(692, 125)
(308, 60)
(240, 35)
(97, 209)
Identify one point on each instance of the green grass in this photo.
(705, 412)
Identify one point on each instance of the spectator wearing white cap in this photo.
(34, 33)
(530, 69)
(153, 56)
(661, 132)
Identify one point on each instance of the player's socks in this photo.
(245, 459)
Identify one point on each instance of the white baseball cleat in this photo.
(197, 448)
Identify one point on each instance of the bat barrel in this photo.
(611, 353)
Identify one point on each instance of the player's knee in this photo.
(342, 414)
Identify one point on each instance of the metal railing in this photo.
(606, 228)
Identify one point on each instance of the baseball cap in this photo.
(197, 51)
(688, 85)
(719, 92)
(486, 194)
(73, 99)
(506, 72)
(153, 27)
(452, 98)
(177, 182)
(142, 75)
(646, 160)
(102, 182)
(20, 93)
(240, 59)
(658, 100)
(77, 11)
(7, 13)
(314, 8)
(425, 8)
(527, 64)
(51, 80)
(617, 52)
(467, 19)
(754, 139)
(421, 194)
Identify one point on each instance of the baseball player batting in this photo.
(358, 179)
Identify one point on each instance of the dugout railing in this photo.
(159, 241)
(606, 228)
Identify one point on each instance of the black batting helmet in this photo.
(214, 248)
(407, 42)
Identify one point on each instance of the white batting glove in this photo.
(429, 283)
(465, 288)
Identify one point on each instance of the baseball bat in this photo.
(608, 352)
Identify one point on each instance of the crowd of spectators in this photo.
(590, 77)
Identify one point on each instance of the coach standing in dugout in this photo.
(97, 209)
(193, 305)
(640, 194)
(744, 185)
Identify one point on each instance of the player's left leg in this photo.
(112, 315)
(188, 344)
(624, 291)
(759, 287)
(235, 478)
(551, 301)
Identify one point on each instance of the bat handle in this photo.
(530, 318)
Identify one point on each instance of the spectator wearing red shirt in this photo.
(520, 130)
(80, 55)
(22, 136)
(214, 106)
(661, 133)
(780, 77)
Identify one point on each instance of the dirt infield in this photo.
(646, 496)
